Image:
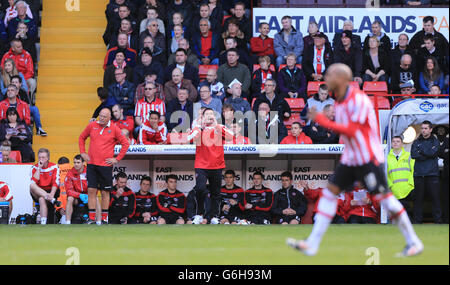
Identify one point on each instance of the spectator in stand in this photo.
(204, 12)
(5, 152)
(23, 61)
(417, 41)
(289, 204)
(403, 73)
(274, 100)
(207, 101)
(129, 136)
(260, 76)
(172, 42)
(313, 29)
(7, 73)
(228, 115)
(45, 183)
(13, 129)
(215, 6)
(206, 44)
(431, 75)
(319, 101)
(292, 80)
(171, 87)
(406, 89)
(238, 137)
(114, 24)
(147, 66)
(375, 62)
(29, 44)
(286, 41)
(356, 39)
(192, 59)
(177, 19)
(430, 50)
(232, 204)
(401, 49)
(239, 104)
(297, 136)
(171, 203)
(314, 195)
(109, 77)
(263, 44)
(272, 127)
(149, 77)
(123, 201)
(112, 9)
(154, 131)
(233, 31)
(122, 93)
(232, 70)
(189, 72)
(11, 11)
(317, 58)
(319, 134)
(350, 55)
(176, 118)
(383, 39)
(153, 31)
(125, 28)
(76, 187)
(362, 206)
(184, 8)
(146, 211)
(13, 101)
(157, 5)
(435, 90)
(158, 54)
(400, 173)
(217, 89)
(239, 17)
(244, 58)
(197, 207)
(258, 201)
(121, 121)
(102, 94)
(425, 150)
(149, 103)
(152, 13)
(22, 16)
(130, 54)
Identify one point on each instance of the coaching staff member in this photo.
(104, 135)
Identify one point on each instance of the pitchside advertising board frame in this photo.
(394, 21)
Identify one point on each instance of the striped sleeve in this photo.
(5, 192)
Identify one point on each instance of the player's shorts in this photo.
(288, 219)
(370, 175)
(171, 218)
(99, 177)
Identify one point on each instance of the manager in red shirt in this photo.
(104, 135)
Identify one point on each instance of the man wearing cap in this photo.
(349, 54)
(146, 66)
(317, 58)
(406, 88)
(348, 26)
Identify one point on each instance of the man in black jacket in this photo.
(349, 54)
(146, 66)
(428, 28)
(269, 127)
(123, 201)
(258, 201)
(289, 204)
(197, 207)
(403, 73)
(189, 71)
(425, 151)
(146, 209)
(317, 58)
(181, 109)
(232, 204)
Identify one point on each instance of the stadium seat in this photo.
(375, 87)
(302, 3)
(330, 3)
(355, 3)
(273, 3)
(283, 65)
(203, 70)
(383, 102)
(177, 138)
(313, 87)
(15, 154)
(257, 66)
(296, 104)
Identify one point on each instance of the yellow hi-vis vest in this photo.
(400, 174)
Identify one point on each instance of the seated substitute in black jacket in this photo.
(289, 204)
(123, 201)
(197, 204)
(425, 151)
(146, 209)
(258, 201)
(232, 205)
(171, 203)
(189, 72)
(317, 58)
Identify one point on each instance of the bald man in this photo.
(104, 136)
(362, 161)
(403, 73)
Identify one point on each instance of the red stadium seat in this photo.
(302, 3)
(257, 66)
(177, 138)
(203, 70)
(283, 65)
(313, 87)
(295, 117)
(330, 3)
(383, 102)
(273, 3)
(375, 87)
(296, 104)
(15, 154)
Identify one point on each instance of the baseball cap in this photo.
(407, 84)
(147, 51)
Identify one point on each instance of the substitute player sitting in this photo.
(171, 203)
(76, 186)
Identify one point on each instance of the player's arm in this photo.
(131, 205)
(181, 205)
(267, 205)
(241, 200)
(55, 182)
(348, 130)
(82, 139)
(122, 141)
(154, 207)
(160, 201)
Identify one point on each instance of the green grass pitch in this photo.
(213, 244)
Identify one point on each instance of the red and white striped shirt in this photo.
(5, 193)
(357, 123)
(48, 177)
(143, 108)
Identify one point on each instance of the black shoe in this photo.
(41, 132)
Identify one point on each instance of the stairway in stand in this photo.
(70, 70)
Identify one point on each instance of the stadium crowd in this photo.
(167, 61)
